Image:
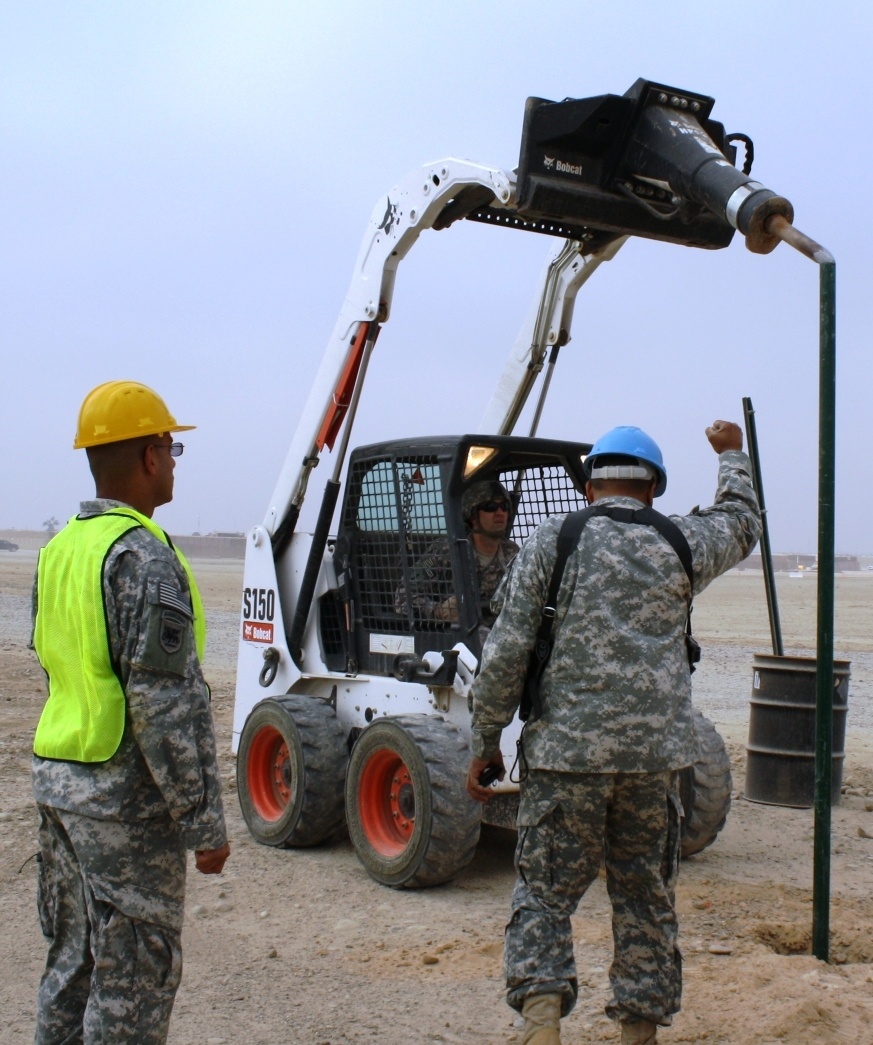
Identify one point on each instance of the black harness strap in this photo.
(665, 527)
(568, 538)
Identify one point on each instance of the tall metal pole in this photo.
(824, 674)
(824, 678)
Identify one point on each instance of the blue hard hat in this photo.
(633, 443)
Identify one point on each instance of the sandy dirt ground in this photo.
(303, 947)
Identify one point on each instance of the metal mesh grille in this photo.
(539, 492)
(330, 624)
(401, 556)
(399, 514)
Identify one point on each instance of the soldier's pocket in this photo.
(670, 866)
(45, 898)
(158, 957)
(534, 856)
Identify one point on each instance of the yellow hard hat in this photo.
(118, 410)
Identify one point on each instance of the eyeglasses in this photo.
(493, 506)
(174, 448)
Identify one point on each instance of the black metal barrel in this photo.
(780, 756)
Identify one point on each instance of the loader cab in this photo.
(401, 525)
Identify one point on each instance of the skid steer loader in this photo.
(351, 706)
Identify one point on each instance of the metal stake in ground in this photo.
(766, 557)
(777, 225)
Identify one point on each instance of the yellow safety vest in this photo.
(84, 716)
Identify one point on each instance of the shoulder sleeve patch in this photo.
(166, 635)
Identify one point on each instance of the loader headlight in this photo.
(477, 456)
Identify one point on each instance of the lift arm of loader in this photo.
(548, 324)
(432, 196)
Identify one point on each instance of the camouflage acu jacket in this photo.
(431, 581)
(167, 758)
(617, 690)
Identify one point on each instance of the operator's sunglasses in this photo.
(174, 448)
(493, 506)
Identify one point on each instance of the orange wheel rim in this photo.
(386, 803)
(268, 774)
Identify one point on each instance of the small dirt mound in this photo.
(848, 946)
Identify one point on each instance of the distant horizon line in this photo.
(241, 535)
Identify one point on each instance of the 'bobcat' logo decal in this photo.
(390, 219)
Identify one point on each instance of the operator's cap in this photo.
(119, 410)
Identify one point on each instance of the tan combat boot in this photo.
(542, 1019)
(638, 1032)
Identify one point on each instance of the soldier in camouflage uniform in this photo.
(120, 799)
(616, 727)
(485, 508)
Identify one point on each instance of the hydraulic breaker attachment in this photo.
(648, 163)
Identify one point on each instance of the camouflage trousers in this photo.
(111, 898)
(568, 824)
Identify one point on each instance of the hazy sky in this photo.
(185, 186)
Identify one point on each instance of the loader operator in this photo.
(616, 726)
(125, 774)
(485, 508)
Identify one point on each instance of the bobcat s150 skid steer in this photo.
(351, 708)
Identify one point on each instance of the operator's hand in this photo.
(474, 788)
(725, 435)
(211, 861)
(447, 609)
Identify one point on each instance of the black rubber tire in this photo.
(705, 790)
(290, 771)
(409, 816)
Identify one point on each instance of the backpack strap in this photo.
(568, 537)
(676, 538)
(679, 543)
(531, 705)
